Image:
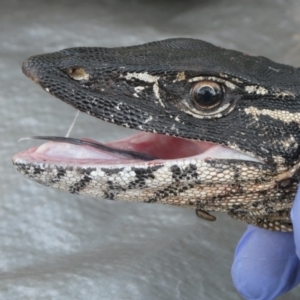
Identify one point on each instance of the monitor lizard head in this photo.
(193, 96)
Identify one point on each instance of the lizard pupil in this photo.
(207, 95)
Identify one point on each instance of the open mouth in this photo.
(135, 149)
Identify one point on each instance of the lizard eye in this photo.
(207, 95)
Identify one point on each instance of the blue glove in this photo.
(266, 263)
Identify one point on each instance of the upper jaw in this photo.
(148, 116)
(161, 146)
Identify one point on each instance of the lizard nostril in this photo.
(78, 74)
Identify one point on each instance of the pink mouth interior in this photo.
(162, 147)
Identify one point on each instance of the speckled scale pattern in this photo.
(147, 87)
(202, 185)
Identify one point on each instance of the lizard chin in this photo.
(155, 147)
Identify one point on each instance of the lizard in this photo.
(219, 129)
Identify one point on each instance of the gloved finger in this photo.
(295, 216)
(265, 264)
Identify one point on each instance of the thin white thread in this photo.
(72, 125)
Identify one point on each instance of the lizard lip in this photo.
(155, 147)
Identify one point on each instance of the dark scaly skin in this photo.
(146, 87)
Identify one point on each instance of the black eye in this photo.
(207, 95)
